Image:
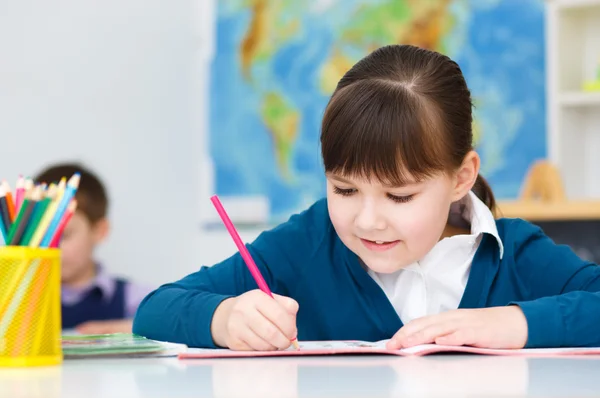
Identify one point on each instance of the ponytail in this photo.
(484, 192)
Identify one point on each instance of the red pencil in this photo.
(63, 223)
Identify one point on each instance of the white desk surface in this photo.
(335, 376)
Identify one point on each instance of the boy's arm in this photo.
(182, 312)
(565, 311)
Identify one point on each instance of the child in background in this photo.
(92, 300)
(405, 246)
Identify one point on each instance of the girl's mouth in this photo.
(379, 245)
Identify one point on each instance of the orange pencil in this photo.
(9, 201)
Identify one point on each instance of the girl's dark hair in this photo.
(400, 112)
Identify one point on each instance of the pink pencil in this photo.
(260, 281)
(19, 193)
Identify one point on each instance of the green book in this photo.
(116, 345)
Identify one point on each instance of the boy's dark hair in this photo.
(92, 200)
(401, 109)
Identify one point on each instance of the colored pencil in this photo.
(10, 202)
(18, 227)
(38, 214)
(29, 185)
(42, 227)
(2, 233)
(4, 209)
(19, 193)
(2, 236)
(63, 223)
(29, 220)
(25, 222)
(62, 184)
(68, 195)
(254, 271)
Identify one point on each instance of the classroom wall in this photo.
(120, 85)
(115, 84)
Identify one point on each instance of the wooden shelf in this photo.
(573, 114)
(574, 4)
(580, 99)
(558, 211)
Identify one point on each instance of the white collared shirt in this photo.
(437, 282)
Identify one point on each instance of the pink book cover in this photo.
(373, 348)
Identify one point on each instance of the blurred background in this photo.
(170, 102)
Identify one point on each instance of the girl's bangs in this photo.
(380, 130)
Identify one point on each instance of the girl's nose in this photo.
(370, 217)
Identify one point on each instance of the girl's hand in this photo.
(255, 321)
(496, 327)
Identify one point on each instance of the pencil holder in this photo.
(30, 318)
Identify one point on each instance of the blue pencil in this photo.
(4, 216)
(2, 234)
(72, 186)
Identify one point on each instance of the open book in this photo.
(364, 347)
(116, 345)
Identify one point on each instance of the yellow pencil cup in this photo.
(30, 318)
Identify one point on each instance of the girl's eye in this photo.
(400, 199)
(344, 192)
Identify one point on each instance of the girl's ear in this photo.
(466, 175)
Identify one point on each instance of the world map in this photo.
(276, 64)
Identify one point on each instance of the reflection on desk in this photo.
(340, 376)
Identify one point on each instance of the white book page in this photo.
(526, 351)
(423, 347)
(523, 351)
(381, 346)
(330, 345)
(334, 344)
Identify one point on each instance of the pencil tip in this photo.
(74, 180)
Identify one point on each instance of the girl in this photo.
(405, 246)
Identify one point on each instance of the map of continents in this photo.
(277, 62)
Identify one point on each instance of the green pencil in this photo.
(38, 213)
(18, 227)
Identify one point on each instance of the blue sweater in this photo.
(304, 259)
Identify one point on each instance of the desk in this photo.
(336, 376)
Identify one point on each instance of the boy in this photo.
(92, 301)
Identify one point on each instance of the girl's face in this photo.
(389, 227)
